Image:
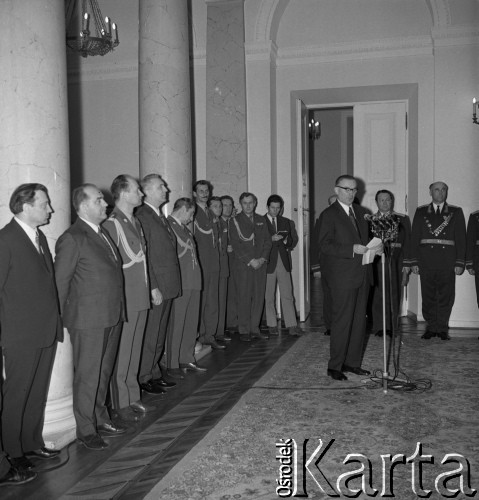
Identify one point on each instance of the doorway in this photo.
(342, 101)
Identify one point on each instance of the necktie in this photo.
(105, 241)
(353, 220)
(37, 243)
(274, 225)
(438, 210)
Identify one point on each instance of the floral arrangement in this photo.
(384, 226)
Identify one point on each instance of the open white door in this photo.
(302, 158)
(380, 156)
(380, 151)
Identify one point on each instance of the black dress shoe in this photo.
(215, 345)
(127, 415)
(192, 367)
(337, 375)
(245, 337)
(175, 373)
(15, 477)
(259, 335)
(21, 463)
(140, 407)
(93, 442)
(111, 429)
(151, 388)
(273, 330)
(428, 335)
(379, 333)
(444, 336)
(164, 383)
(356, 370)
(43, 453)
(327, 332)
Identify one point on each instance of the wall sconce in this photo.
(475, 107)
(314, 130)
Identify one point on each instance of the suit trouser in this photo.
(25, 391)
(438, 290)
(327, 303)
(283, 278)
(4, 464)
(476, 279)
(94, 355)
(251, 286)
(348, 326)
(392, 279)
(182, 329)
(232, 299)
(154, 341)
(124, 383)
(222, 301)
(209, 307)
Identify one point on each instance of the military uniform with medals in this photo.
(438, 246)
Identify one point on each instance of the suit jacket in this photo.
(286, 228)
(428, 227)
(187, 256)
(89, 279)
(472, 252)
(135, 273)
(29, 313)
(206, 240)
(250, 240)
(337, 236)
(222, 231)
(163, 265)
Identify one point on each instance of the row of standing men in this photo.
(125, 286)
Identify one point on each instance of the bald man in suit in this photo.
(90, 289)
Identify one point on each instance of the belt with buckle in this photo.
(438, 242)
(396, 245)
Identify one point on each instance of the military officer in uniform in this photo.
(251, 244)
(438, 252)
(204, 231)
(472, 249)
(397, 276)
(125, 231)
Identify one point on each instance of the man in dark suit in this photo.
(438, 254)
(343, 236)
(396, 269)
(186, 307)
(472, 249)
(206, 238)
(284, 238)
(90, 290)
(30, 324)
(165, 281)
(125, 231)
(251, 244)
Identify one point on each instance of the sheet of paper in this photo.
(373, 247)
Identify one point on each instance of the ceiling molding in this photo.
(366, 49)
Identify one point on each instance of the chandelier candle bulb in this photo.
(115, 29)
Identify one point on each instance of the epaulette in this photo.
(113, 215)
(452, 206)
(424, 206)
(400, 215)
(476, 212)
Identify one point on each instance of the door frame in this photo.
(348, 97)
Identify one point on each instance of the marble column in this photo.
(34, 148)
(226, 144)
(164, 94)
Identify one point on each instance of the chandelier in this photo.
(87, 31)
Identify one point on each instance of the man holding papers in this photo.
(343, 239)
